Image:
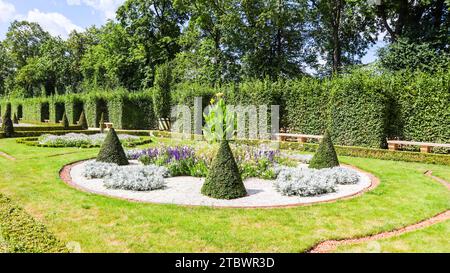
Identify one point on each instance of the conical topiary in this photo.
(65, 122)
(15, 119)
(102, 123)
(223, 180)
(112, 151)
(325, 156)
(6, 115)
(8, 127)
(83, 121)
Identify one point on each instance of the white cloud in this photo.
(53, 22)
(107, 7)
(7, 11)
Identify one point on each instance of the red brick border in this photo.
(64, 173)
(331, 245)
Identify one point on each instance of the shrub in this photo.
(136, 178)
(96, 170)
(15, 119)
(304, 182)
(112, 150)
(6, 115)
(8, 127)
(22, 233)
(83, 121)
(311, 182)
(65, 122)
(325, 156)
(80, 140)
(161, 94)
(223, 180)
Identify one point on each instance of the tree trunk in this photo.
(337, 51)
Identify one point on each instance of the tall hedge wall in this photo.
(358, 111)
(361, 108)
(306, 109)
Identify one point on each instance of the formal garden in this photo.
(189, 127)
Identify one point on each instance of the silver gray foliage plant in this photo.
(137, 178)
(132, 177)
(311, 182)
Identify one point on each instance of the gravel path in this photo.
(186, 191)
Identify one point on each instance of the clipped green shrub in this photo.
(224, 180)
(112, 150)
(83, 121)
(6, 115)
(102, 123)
(8, 127)
(15, 119)
(326, 156)
(65, 122)
(24, 234)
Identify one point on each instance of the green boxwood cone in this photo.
(8, 127)
(65, 122)
(224, 180)
(326, 156)
(112, 150)
(83, 121)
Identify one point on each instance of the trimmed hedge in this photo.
(358, 111)
(33, 141)
(46, 128)
(361, 108)
(112, 150)
(24, 234)
(306, 106)
(224, 180)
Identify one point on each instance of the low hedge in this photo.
(22, 233)
(33, 141)
(45, 128)
(383, 154)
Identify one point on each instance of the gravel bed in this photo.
(186, 191)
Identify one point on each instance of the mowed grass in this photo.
(432, 239)
(102, 224)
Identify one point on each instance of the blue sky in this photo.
(60, 17)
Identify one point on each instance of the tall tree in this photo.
(341, 31)
(154, 25)
(24, 40)
(115, 61)
(419, 21)
(270, 37)
(78, 44)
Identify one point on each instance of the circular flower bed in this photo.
(152, 183)
(80, 140)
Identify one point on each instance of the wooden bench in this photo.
(425, 147)
(299, 137)
(109, 125)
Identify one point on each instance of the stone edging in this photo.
(331, 245)
(64, 174)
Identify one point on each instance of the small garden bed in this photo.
(80, 140)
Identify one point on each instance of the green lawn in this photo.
(431, 239)
(101, 224)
